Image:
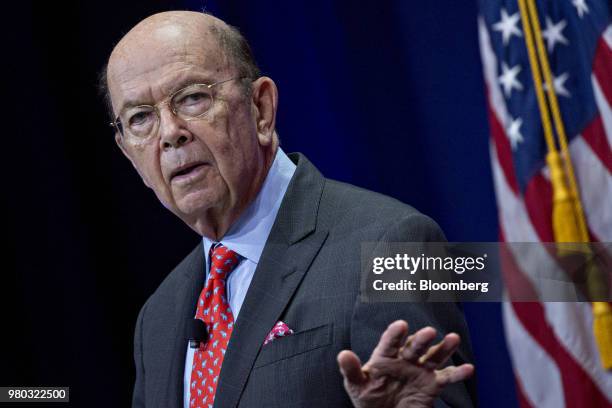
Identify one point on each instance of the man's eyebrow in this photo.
(184, 82)
(130, 104)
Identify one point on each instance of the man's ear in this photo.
(119, 142)
(265, 101)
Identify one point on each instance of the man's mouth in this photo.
(187, 171)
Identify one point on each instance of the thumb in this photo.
(350, 367)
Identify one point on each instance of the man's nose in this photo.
(172, 130)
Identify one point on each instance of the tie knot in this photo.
(222, 261)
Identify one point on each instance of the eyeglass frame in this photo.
(118, 126)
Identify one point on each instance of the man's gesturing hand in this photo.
(402, 372)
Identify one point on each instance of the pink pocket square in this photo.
(280, 329)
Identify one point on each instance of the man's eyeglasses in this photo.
(192, 102)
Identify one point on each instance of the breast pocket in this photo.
(298, 343)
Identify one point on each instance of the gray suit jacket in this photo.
(308, 277)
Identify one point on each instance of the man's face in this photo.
(204, 169)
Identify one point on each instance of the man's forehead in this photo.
(156, 51)
(147, 44)
(155, 62)
(129, 76)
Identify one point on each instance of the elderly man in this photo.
(276, 276)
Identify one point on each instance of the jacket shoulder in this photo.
(193, 263)
(347, 207)
(360, 198)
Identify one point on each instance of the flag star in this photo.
(514, 132)
(559, 85)
(508, 79)
(581, 7)
(508, 26)
(554, 33)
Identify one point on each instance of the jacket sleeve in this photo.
(138, 397)
(369, 320)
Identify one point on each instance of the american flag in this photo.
(552, 347)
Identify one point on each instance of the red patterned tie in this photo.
(214, 310)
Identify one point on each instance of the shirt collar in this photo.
(248, 235)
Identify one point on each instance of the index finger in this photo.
(391, 340)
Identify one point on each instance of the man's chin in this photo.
(195, 204)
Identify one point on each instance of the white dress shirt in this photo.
(247, 237)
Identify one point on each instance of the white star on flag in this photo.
(559, 85)
(581, 7)
(508, 79)
(514, 132)
(508, 26)
(554, 33)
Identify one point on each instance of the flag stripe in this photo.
(579, 389)
(516, 283)
(604, 109)
(595, 184)
(595, 136)
(602, 66)
(569, 322)
(512, 211)
(532, 365)
(538, 200)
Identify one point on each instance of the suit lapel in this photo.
(185, 301)
(287, 255)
